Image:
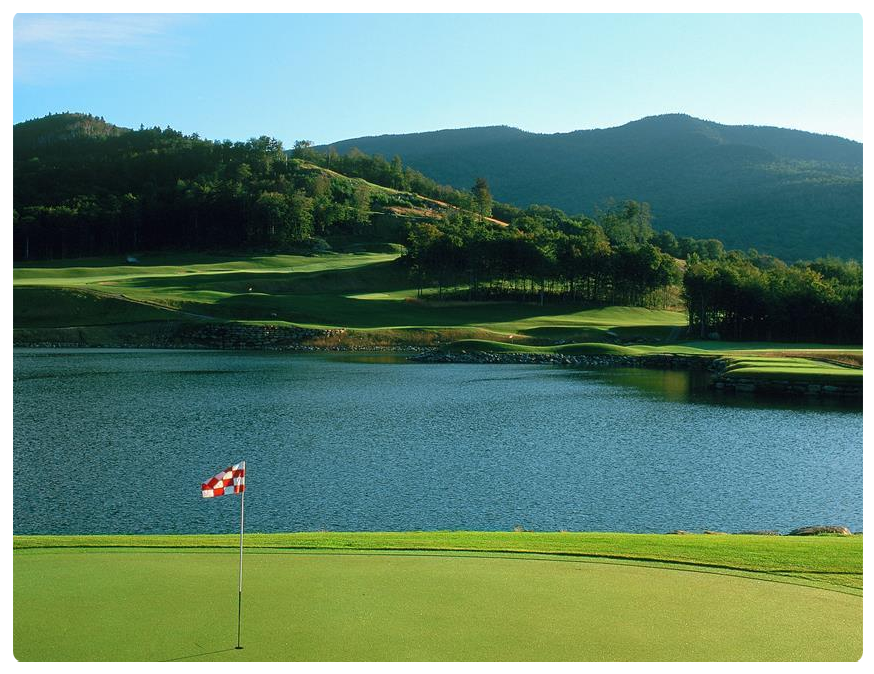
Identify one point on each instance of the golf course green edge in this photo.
(438, 596)
(830, 562)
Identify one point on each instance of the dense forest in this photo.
(546, 256)
(84, 188)
(98, 194)
(789, 193)
(753, 297)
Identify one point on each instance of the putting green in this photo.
(165, 604)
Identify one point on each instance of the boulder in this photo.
(820, 529)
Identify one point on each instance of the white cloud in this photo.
(51, 44)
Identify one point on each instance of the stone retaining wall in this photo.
(777, 386)
(723, 382)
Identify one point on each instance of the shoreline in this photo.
(23, 541)
(281, 339)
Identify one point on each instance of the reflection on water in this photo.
(669, 385)
(119, 441)
(692, 387)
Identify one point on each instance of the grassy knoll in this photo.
(438, 596)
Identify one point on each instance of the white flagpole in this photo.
(240, 593)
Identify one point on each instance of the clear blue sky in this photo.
(330, 77)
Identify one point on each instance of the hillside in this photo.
(65, 126)
(84, 187)
(788, 193)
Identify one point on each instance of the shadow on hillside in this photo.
(343, 311)
(325, 297)
(376, 277)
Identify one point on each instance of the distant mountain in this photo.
(789, 193)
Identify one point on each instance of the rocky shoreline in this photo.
(240, 337)
(817, 530)
(715, 364)
(657, 361)
(223, 336)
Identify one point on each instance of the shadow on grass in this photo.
(339, 310)
(326, 297)
(201, 654)
(356, 278)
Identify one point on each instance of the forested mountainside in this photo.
(789, 193)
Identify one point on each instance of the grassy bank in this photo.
(574, 349)
(793, 369)
(438, 596)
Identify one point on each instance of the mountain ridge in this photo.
(855, 146)
(792, 193)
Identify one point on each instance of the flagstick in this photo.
(240, 593)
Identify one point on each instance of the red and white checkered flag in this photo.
(230, 481)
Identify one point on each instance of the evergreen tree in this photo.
(482, 197)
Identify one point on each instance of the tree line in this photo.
(544, 255)
(756, 297)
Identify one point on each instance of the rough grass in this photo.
(420, 596)
(48, 307)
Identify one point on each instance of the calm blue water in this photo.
(119, 442)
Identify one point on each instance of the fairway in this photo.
(352, 290)
(109, 301)
(180, 604)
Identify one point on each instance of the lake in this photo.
(119, 441)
